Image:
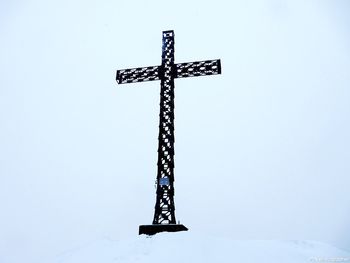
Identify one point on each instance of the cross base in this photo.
(154, 229)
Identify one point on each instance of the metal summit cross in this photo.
(164, 215)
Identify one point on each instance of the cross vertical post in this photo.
(165, 209)
(164, 213)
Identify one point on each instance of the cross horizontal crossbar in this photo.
(133, 75)
(181, 70)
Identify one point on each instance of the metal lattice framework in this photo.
(165, 208)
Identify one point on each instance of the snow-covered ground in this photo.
(190, 247)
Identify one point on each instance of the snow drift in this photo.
(189, 247)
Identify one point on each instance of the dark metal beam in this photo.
(133, 75)
(199, 68)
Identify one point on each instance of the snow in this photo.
(191, 247)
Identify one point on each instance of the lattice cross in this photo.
(164, 214)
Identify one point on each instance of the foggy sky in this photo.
(261, 151)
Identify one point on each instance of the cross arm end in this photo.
(134, 75)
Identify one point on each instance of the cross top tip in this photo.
(168, 33)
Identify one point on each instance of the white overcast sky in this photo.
(262, 151)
